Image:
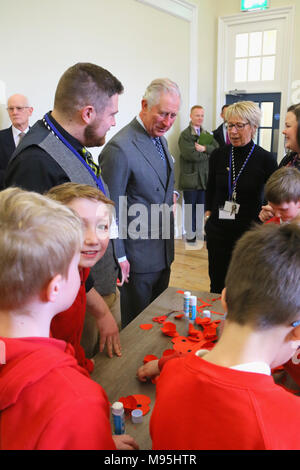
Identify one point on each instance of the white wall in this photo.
(136, 42)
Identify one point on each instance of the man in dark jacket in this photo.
(194, 171)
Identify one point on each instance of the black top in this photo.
(34, 169)
(290, 159)
(249, 188)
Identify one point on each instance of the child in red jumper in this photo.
(94, 209)
(282, 191)
(47, 401)
(226, 398)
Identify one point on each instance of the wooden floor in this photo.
(189, 270)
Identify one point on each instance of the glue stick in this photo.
(192, 311)
(206, 314)
(117, 410)
(186, 303)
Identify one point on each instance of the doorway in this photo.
(268, 133)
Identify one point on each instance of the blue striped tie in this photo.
(159, 147)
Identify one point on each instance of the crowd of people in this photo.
(62, 267)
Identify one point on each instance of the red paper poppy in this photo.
(129, 403)
(203, 321)
(160, 319)
(179, 292)
(183, 345)
(169, 329)
(142, 403)
(179, 316)
(168, 352)
(146, 326)
(149, 357)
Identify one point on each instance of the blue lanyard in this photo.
(232, 186)
(70, 147)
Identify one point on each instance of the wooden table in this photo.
(118, 375)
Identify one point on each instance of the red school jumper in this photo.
(68, 325)
(48, 402)
(200, 405)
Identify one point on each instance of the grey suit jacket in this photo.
(131, 167)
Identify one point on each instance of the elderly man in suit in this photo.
(220, 134)
(138, 169)
(19, 113)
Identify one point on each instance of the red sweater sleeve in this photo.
(80, 425)
(165, 359)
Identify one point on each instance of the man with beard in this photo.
(54, 150)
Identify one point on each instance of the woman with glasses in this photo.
(234, 195)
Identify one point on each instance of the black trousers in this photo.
(141, 290)
(219, 256)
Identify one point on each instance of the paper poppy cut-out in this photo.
(169, 329)
(134, 402)
(146, 326)
(149, 357)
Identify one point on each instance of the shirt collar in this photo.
(16, 131)
(256, 367)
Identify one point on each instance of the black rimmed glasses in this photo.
(239, 126)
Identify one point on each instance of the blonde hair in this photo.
(38, 239)
(247, 110)
(65, 193)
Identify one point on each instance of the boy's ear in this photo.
(223, 299)
(53, 288)
(294, 337)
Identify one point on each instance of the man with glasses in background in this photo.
(19, 113)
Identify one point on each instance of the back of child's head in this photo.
(283, 186)
(263, 278)
(38, 239)
(67, 192)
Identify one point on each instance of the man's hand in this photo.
(200, 148)
(125, 442)
(266, 213)
(125, 268)
(109, 335)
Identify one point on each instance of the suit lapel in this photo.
(10, 143)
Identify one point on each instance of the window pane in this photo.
(267, 114)
(241, 45)
(269, 42)
(240, 74)
(268, 68)
(255, 44)
(254, 69)
(265, 139)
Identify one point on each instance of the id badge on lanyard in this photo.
(231, 207)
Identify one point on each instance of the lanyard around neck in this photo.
(232, 186)
(74, 151)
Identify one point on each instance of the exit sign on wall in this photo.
(248, 5)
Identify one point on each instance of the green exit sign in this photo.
(248, 5)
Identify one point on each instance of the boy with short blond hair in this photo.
(46, 400)
(226, 398)
(95, 211)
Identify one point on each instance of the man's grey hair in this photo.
(159, 86)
